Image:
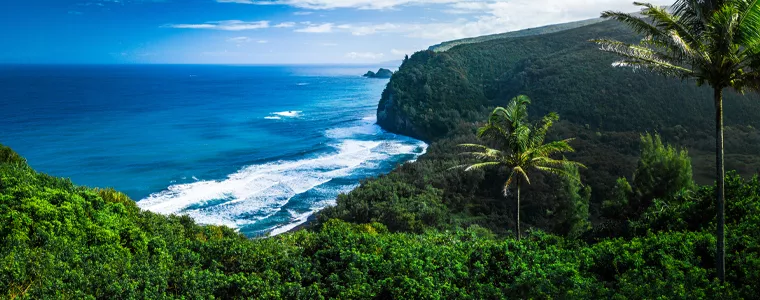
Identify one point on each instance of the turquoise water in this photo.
(255, 148)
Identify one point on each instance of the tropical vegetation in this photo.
(64, 241)
(712, 42)
(640, 223)
(520, 148)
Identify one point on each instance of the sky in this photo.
(263, 31)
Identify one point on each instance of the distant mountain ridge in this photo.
(518, 33)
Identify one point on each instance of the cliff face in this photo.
(390, 118)
(423, 98)
(433, 93)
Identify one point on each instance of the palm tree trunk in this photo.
(720, 255)
(517, 211)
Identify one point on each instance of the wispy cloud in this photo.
(240, 39)
(285, 25)
(364, 55)
(369, 29)
(303, 13)
(331, 4)
(231, 25)
(236, 1)
(322, 28)
(475, 17)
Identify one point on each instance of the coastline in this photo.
(311, 219)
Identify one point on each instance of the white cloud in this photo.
(240, 39)
(365, 55)
(473, 17)
(323, 28)
(236, 1)
(232, 25)
(331, 4)
(476, 17)
(285, 25)
(368, 29)
(303, 13)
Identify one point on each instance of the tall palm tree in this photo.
(716, 42)
(519, 147)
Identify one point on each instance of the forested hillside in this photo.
(63, 241)
(442, 97)
(563, 72)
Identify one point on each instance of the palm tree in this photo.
(716, 42)
(518, 147)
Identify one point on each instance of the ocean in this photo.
(256, 148)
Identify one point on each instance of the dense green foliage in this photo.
(711, 42)
(562, 72)
(433, 95)
(519, 148)
(662, 171)
(63, 241)
(639, 229)
(572, 214)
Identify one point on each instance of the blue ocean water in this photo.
(257, 148)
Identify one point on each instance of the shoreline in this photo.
(312, 217)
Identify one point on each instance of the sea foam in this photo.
(258, 191)
(288, 114)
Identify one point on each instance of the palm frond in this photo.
(635, 56)
(554, 147)
(473, 146)
(488, 154)
(520, 138)
(558, 172)
(637, 24)
(749, 25)
(539, 134)
(482, 165)
(550, 162)
(518, 170)
(517, 111)
(508, 183)
(670, 25)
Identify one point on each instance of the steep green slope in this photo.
(445, 46)
(62, 241)
(433, 92)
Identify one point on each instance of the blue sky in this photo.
(262, 31)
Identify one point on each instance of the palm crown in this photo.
(519, 146)
(714, 42)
